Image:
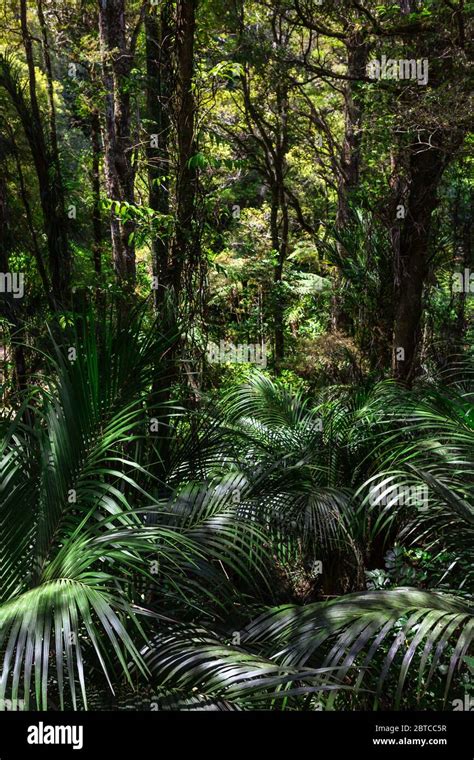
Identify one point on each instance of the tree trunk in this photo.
(9, 307)
(185, 249)
(51, 190)
(30, 222)
(95, 183)
(159, 37)
(425, 171)
(279, 233)
(349, 174)
(358, 53)
(454, 334)
(159, 66)
(53, 135)
(116, 67)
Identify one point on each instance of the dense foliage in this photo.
(237, 423)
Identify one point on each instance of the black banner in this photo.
(128, 734)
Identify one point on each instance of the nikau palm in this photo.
(73, 548)
(119, 565)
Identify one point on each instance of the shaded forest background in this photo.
(236, 329)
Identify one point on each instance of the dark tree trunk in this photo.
(51, 190)
(4, 266)
(9, 307)
(463, 234)
(159, 47)
(426, 168)
(117, 64)
(358, 53)
(29, 219)
(97, 245)
(185, 250)
(282, 248)
(349, 174)
(278, 314)
(53, 135)
(454, 333)
(279, 233)
(160, 84)
(407, 6)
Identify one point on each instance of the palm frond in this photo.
(418, 629)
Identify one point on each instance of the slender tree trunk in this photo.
(51, 191)
(9, 307)
(4, 266)
(467, 263)
(185, 251)
(53, 134)
(349, 174)
(455, 334)
(97, 245)
(29, 219)
(159, 45)
(116, 67)
(280, 234)
(159, 66)
(280, 167)
(278, 327)
(358, 53)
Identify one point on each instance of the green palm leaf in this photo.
(347, 634)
